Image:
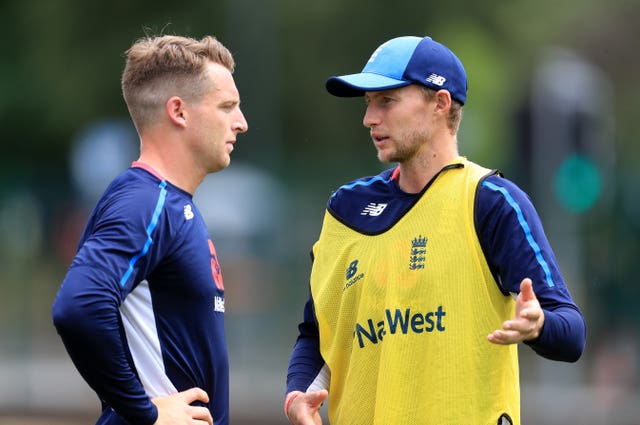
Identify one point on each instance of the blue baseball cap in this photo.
(403, 61)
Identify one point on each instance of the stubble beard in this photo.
(404, 149)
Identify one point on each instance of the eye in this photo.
(384, 101)
(379, 100)
(229, 106)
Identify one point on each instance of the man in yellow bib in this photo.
(427, 276)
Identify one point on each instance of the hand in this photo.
(304, 409)
(528, 321)
(176, 409)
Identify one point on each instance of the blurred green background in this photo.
(553, 103)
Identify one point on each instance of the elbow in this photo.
(565, 341)
(569, 354)
(74, 313)
(64, 315)
(580, 342)
(81, 304)
(572, 356)
(574, 351)
(580, 345)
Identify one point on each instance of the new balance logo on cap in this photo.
(436, 79)
(373, 209)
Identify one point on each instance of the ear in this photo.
(175, 108)
(443, 100)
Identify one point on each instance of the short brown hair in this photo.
(163, 66)
(455, 112)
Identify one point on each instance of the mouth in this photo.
(378, 138)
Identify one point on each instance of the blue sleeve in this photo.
(306, 361)
(86, 309)
(516, 247)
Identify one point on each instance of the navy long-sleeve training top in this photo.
(141, 309)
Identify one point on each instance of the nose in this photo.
(240, 125)
(370, 118)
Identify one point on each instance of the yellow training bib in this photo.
(404, 316)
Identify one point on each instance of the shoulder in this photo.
(134, 185)
(370, 205)
(502, 204)
(366, 184)
(138, 196)
(364, 187)
(359, 193)
(495, 191)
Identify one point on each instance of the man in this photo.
(410, 319)
(141, 309)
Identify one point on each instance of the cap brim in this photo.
(354, 85)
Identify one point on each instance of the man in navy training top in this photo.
(141, 309)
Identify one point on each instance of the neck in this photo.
(171, 163)
(419, 170)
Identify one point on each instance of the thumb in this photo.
(316, 398)
(526, 290)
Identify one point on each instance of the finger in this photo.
(518, 324)
(526, 290)
(525, 326)
(201, 413)
(504, 337)
(193, 394)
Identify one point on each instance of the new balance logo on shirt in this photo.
(373, 209)
(188, 212)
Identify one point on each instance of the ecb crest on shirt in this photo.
(216, 271)
(418, 252)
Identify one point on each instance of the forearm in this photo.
(305, 365)
(306, 362)
(85, 314)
